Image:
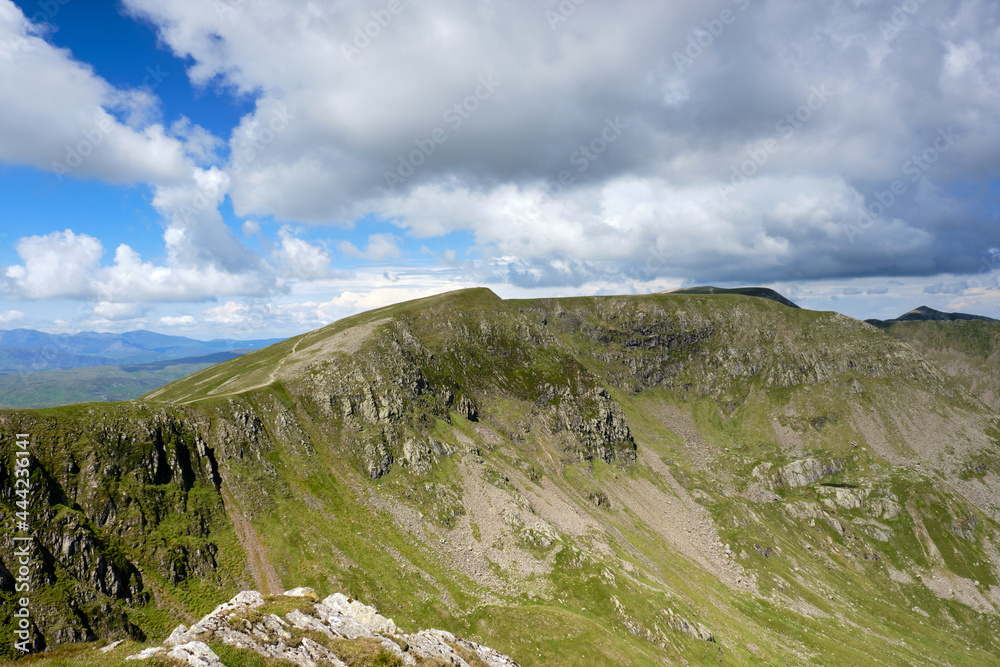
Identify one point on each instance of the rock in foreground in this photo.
(296, 628)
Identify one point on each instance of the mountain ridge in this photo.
(637, 480)
(30, 350)
(926, 313)
(761, 292)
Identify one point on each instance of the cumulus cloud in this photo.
(380, 247)
(119, 311)
(60, 264)
(300, 259)
(9, 316)
(60, 116)
(596, 153)
(66, 265)
(598, 147)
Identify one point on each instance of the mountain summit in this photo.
(633, 480)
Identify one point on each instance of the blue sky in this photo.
(235, 168)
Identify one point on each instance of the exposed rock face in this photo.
(397, 381)
(145, 466)
(797, 473)
(806, 471)
(705, 353)
(689, 628)
(302, 636)
(599, 425)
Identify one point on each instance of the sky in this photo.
(251, 168)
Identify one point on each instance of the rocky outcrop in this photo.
(797, 473)
(687, 627)
(599, 424)
(312, 632)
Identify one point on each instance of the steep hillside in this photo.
(611, 481)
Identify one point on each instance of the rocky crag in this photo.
(311, 632)
(619, 480)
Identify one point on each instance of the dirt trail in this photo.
(348, 341)
(258, 564)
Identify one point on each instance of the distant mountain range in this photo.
(27, 350)
(46, 389)
(41, 370)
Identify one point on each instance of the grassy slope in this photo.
(324, 529)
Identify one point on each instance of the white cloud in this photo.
(326, 129)
(177, 321)
(599, 102)
(300, 259)
(9, 316)
(60, 264)
(65, 265)
(380, 247)
(59, 115)
(250, 228)
(119, 311)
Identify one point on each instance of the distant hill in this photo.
(27, 350)
(762, 292)
(66, 386)
(925, 313)
(29, 360)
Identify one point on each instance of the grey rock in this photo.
(337, 617)
(874, 530)
(179, 636)
(805, 472)
(196, 654)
